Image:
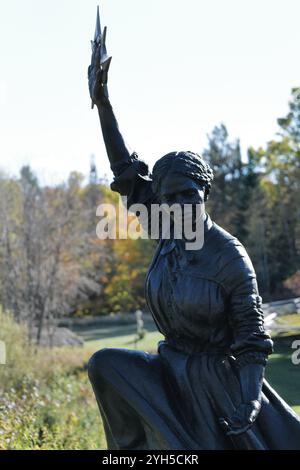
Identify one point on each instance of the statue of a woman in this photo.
(205, 386)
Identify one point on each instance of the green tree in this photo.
(274, 214)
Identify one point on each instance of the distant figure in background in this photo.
(2, 353)
(140, 332)
(205, 386)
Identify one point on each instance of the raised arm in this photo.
(117, 151)
(132, 176)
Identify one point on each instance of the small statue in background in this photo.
(140, 331)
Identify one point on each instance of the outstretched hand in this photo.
(98, 70)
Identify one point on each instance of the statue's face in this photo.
(181, 190)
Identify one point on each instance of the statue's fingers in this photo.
(106, 63)
(89, 72)
(94, 46)
(95, 59)
(238, 424)
(103, 40)
(105, 67)
(236, 431)
(104, 55)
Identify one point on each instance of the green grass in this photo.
(283, 375)
(287, 325)
(119, 337)
(291, 319)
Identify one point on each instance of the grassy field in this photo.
(283, 375)
(122, 336)
(46, 401)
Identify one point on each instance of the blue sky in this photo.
(178, 69)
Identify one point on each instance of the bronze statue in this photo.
(205, 386)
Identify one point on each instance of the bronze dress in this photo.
(206, 304)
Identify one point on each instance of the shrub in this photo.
(46, 401)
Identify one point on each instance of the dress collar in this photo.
(169, 244)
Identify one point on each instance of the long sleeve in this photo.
(246, 317)
(132, 179)
(131, 175)
(116, 148)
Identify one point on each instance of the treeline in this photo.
(52, 263)
(259, 201)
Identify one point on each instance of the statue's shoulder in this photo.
(220, 240)
(229, 256)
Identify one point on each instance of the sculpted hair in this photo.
(189, 164)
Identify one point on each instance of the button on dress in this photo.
(206, 304)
